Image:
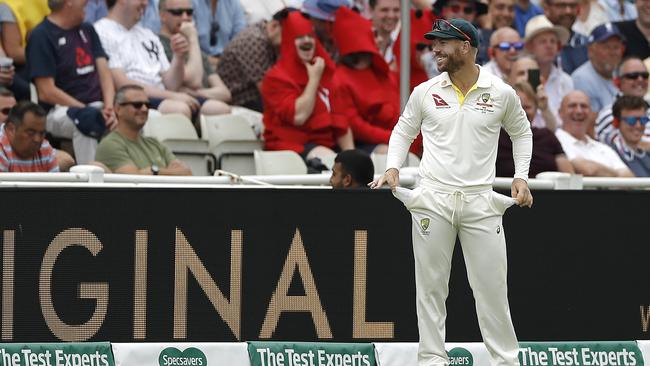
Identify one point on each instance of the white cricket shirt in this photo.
(461, 136)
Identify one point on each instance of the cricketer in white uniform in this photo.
(460, 113)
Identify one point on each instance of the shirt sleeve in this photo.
(517, 126)
(40, 54)
(4, 162)
(406, 129)
(280, 96)
(362, 130)
(6, 15)
(49, 157)
(98, 49)
(239, 19)
(112, 154)
(110, 45)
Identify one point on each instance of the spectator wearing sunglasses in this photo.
(505, 46)
(589, 157)
(631, 78)
(199, 79)
(7, 102)
(501, 13)
(125, 150)
(631, 119)
(595, 77)
(136, 56)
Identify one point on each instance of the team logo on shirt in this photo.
(424, 224)
(439, 101)
(84, 62)
(483, 103)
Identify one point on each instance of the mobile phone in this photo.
(533, 78)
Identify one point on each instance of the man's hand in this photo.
(7, 76)
(315, 69)
(188, 29)
(188, 99)
(109, 118)
(391, 176)
(542, 98)
(521, 193)
(179, 44)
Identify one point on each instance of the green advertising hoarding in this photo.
(311, 354)
(623, 353)
(56, 354)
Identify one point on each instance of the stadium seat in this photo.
(254, 118)
(232, 141)
(279, 163)
(379, 161)
(328, 160)
(177, 133)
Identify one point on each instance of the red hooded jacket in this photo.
(369, 98)
(285, 82)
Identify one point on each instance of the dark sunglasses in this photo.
(506, 46)
(180, 11)
(633, 120)
(466, 9)
(5, 110)
(442, 25)
(214, 28)
(423, 46)
(137, 105)
(635, 75)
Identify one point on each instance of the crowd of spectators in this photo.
(324, 75)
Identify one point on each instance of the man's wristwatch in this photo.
(154, 169)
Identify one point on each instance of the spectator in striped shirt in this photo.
(631, 78)
(23, 147)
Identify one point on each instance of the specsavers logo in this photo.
(460, 356)
(171, 356)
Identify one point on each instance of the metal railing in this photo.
(95, 176)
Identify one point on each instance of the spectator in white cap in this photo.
(544, 40)
(321, 13)
(594, 77)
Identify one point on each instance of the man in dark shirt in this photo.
(635, 30)
(548, 154)
(67, 64)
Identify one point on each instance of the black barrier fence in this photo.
(247, 264)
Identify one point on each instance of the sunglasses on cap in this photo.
(506, 46)
(457, 8)
(633, 120)
(137, 105)
(636, 75)
(214, 28)
(442, 25)
(180, 11)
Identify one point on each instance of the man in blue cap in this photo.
(460, 113)
(595, 77)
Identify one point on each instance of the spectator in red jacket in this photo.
(368, 95)
(296, 96)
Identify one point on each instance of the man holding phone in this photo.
(460, 113)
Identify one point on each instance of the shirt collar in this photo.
(484, 78)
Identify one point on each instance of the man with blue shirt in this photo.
(595, 77)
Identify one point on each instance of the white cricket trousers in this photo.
(60, 125)
(439, 214)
